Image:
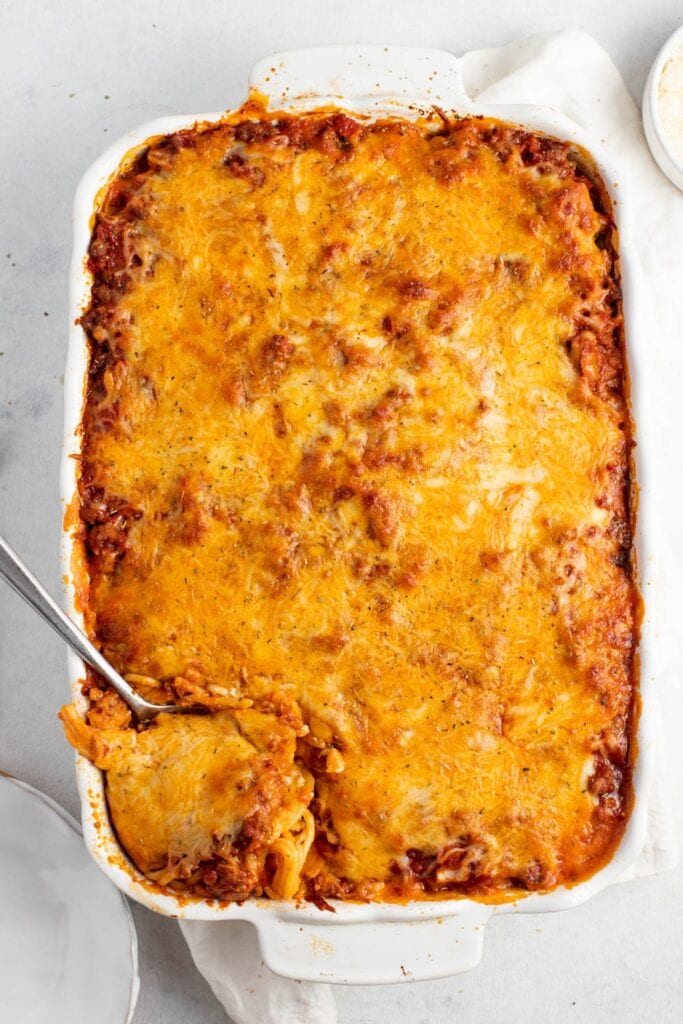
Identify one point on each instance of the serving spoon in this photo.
(22, 580)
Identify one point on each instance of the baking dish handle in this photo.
(360, 76)
(374, 952)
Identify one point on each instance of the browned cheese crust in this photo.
(356, 477)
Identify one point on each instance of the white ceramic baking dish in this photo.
(369, 944)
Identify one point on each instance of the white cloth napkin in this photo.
(568, 71)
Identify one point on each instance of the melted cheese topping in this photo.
(357, 431)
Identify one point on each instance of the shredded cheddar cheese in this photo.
(356, 445)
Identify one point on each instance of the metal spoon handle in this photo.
(22, 580)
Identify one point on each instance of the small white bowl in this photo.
(652, 122)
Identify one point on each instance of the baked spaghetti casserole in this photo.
(356, 480)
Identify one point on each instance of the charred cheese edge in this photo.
(356, 444)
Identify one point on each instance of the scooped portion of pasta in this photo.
(215, 801)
